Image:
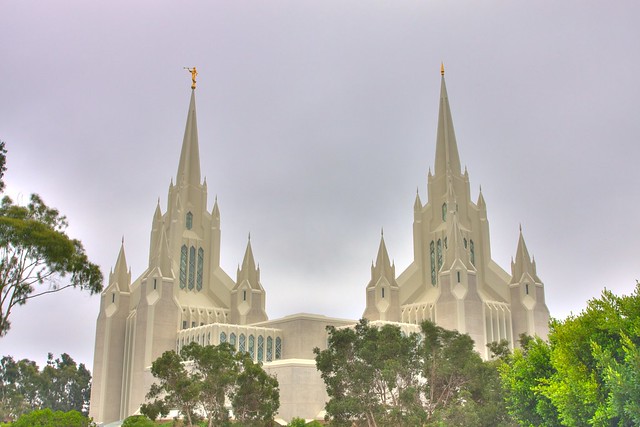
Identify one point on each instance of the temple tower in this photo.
(383, 293)
(108, 356)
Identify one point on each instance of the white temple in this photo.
(184, 295)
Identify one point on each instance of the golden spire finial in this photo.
(442, 68)
(194, 73)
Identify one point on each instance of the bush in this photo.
(300, 422)
(138, 421)
(48, 418)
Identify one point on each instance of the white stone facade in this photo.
(185, 296)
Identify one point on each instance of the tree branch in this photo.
(50, 291)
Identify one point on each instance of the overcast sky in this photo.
(317, 121)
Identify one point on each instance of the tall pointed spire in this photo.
(417, 205)
(121, 274)
(383, 265)
(162, 256)
(248, 270)
(522, 263)
(215, 213)
(189, 166)
(447, 157)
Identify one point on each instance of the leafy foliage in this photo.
(202, 379)
(138, 421)
(60, 386)
(35, 250)
(524, 376)
(48, 418)
(379, 376)
(587, 375)
(256, 397)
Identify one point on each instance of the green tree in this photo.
(256, 397)
(460, 389)
(19, 386)
(48, 418)
(65, 386)
(524, 375)
(622, 378)
(175, 388)
(61, 385)
(35, 250)
(201, 379)
(216, 369)
(379, 376)
(137, 421)
(371, 376)
(587, 351)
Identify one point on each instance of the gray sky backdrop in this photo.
(317, 121)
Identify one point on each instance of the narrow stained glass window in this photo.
(223, 337)
(232, 339)
(200, 268)
(269, 349)
(183, 267)
(472, 253)
(278, 348)
(192, 267)
(260, 348)
(439, 253)
(252, 346)
(444, 211)
(432, 252)
(242, 343)
(189, 221)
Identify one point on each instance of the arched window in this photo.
(192, 267)
(439, 253)
(189, 221)
(223, 337)
(200, 267)
(260, 348)
(242, 343)
(232, 339)
(278, 348)
(472, 253)
(432, 252)
(526, 288)
(183, 267)
(465, 242)
(269, 349)
(252, 346)
(444, 211)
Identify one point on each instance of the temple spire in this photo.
(161, 259)
(447, 157)
(248, 270)
(383, 267)
(522, 263)
(189, 166)
(121, 274)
